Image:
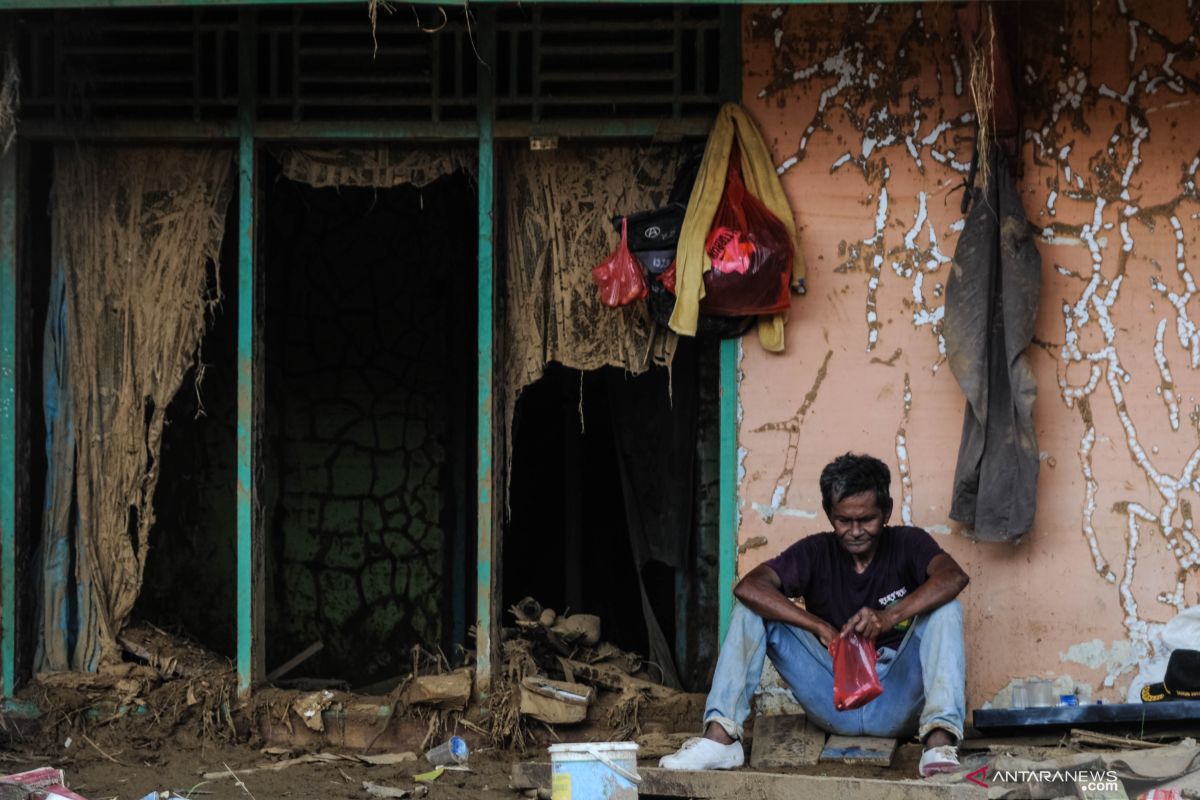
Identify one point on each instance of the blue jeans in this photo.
(924, 680)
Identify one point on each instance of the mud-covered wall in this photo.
(364, 298)
(866, 111)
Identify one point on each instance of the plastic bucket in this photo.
(594, 771)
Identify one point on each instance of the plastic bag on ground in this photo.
(854, 680)
(620, 276)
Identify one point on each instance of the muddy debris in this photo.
(556, 670)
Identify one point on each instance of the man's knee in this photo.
(743, 617)
(739, 609)
(947, 614)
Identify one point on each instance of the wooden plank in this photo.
(657, 782)
(785, 740)
(1009, 742)
(864, 750)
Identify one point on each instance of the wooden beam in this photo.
(659, 782)
(785, 740)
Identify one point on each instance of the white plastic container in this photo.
(594, 771)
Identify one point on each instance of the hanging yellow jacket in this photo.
(691, 262)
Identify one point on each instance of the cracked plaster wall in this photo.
(865, 108)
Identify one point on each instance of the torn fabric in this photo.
(654, 429)
(135, 231)
(10, 88)
(373, 166)
(991, 305)
(557, 209)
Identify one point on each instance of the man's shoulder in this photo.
(907, 531)
(821, 539)
(812, 543)
(910, 536)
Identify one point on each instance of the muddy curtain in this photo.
(136, 235)
(557, 207)
(557, 211)
(377, 166)
(654, 421)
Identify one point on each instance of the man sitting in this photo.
(893, 585)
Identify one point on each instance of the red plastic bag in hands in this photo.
(751, 253)
(620, 276)
(854, 680)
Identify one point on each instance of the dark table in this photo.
(1147, 716)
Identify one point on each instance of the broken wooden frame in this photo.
(249, 133)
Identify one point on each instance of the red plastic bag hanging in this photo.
(667, 279)
(854, 680)
(620, 276)
(751, 253)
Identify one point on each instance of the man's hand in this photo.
(826, 633)
(868, 623)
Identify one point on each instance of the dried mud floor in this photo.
(130, 774)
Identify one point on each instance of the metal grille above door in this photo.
(321, 63)
(129, 64)
(553, 63)
(588, 62)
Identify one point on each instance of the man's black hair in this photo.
(853, 474)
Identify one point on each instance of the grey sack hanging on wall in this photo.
(991, 306)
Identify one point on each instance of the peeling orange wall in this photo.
(867, 116)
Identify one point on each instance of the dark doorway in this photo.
(370, 390)
(599, 454)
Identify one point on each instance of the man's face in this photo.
(857, 521)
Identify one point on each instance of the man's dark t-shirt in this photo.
(817, 569)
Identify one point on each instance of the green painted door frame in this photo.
(250, 545)
(8, 417)
(731, 92)
(247, 134)
(487, 544)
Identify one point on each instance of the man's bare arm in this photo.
(761, 591)
(945, 580)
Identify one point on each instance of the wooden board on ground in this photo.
(725, 784)
(785, 740)
(869, 750)
(1009, 742)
